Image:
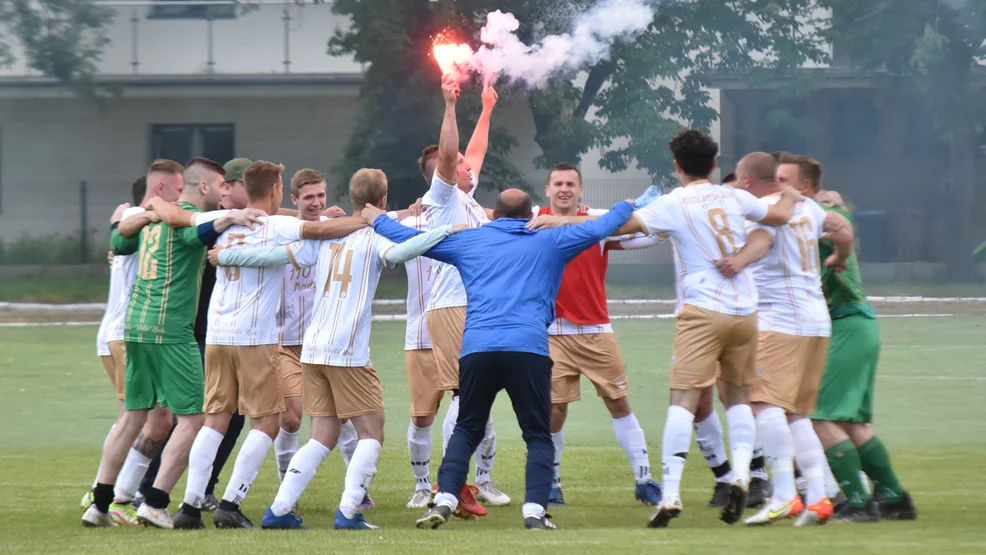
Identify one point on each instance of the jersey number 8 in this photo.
(724, 236)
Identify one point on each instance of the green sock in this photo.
(844, 460)
(876, 463)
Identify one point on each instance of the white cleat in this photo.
(776, 510)
(158, 518)
(808, 518)
(489, 494)
(670, 508)
(420, 499)
(93, 518)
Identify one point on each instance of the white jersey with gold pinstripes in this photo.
(420, 277)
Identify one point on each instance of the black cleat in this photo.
(187, 518)
(845, 512)
(230, 519)
(539, 523)
(720, 496)
(903, 509)
(759, 492)
(668, 510)
(735, 503)
(437, 515)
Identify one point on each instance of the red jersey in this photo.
(582, 296)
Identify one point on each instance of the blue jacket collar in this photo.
(511, 225)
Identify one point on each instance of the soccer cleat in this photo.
(158, 518)
(355, 523)
(365, 505)
(732, 512)
(420, 499)
(210, 503)
(669, 509)
(469, 507)
(488, 493)
(815, 515)
(556, 497)
(88, 499)
(138, 500)
(539, 523)
(230, 519)
(759, 492)
(93, 518)
(902, 509)
(720, 495)
(124, 514)
(845, 512)
(648, 493)
(435, 517)
(290, 521)
(776, 510)
(186, 519)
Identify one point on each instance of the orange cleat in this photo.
(816, 515)
(469, 507)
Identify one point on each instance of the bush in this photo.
(53, 249)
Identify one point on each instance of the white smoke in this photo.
(593, 33)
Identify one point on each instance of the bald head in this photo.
(513, 203)
(756, 172)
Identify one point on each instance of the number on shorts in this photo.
(234, 239)
(429, 272)
(724, 236)
(806, 244)
(151, 242)
(343, 273)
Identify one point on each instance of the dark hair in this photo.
(778, 154)
(206, 163)
(139, 189)
(730, 177)
(695, 152)
(808, 168)
(564, 167)
(426, 155)
(518, 210)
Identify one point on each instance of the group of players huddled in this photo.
(771, 312)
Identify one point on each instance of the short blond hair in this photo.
(306, 176)
(367, 186)
(260, 177)
(162, 165)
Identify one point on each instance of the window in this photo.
(855, 127)
(183, 142)
(783, 126)
(920, 135)
(180, 9)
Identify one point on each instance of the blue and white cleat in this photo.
(355, 523)
(649, 493)
(556, 497)
(290, 521)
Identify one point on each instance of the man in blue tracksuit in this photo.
(512, 275)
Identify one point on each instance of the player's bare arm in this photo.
(839, 232)
(118, 213)
(132, 225)
(758, 244)
(478, 144)
(780, 212)
(448, 142)
(332, 229)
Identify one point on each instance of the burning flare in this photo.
(450, 54)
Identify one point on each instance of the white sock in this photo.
(301, 470)
(200, 458)
(866, 482)
(742, 436)
(360, 473)
(758, 452)
(128, 480)
(105, 445)
(347, 441)
(419, 449)
(779, 447)
(448, 425)
(559, 440)
(674, 449)
(831, 484)
(631, 438)
(485, 454)
(248, 462)
(811, 458)
(285, 446)
(447, 499)
(532, 510)
(708, 433)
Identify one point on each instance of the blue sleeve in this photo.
(573, 239)
(392, 230)
(207, 233)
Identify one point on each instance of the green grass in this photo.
(56, 406)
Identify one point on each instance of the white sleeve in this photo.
(659, 216)
(131, 211)
(381, 247)
(598, 211)
(752, 225)
(754, 209)
(205, 217)
(818, 214)
(641, 242)
(441, 193)
(304, 253)
(286, 229)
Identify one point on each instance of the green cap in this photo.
(234, 169)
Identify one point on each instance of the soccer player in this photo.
(339, 381)
(716, 321)
(446, 316)
(843, 418)
(163, 366)
(794, 327)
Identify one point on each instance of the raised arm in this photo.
(573, 239)
(448, 144)
(332, 229)
(478, 144)
(758, 244)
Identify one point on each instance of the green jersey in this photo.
(844, 291)
(165, 295)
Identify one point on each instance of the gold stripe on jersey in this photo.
(168, 271)
(364, 288)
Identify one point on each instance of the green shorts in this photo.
(166, 374)
(846, 394)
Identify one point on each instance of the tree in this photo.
(929, 50)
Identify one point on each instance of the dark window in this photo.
(783, 126)
(920, 135)
(181, 9)
(182, 142)
(855, 127)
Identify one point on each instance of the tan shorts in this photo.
(244, 377)
(341, 391)
(445, 326)
(290, 370)
(789, 371)
(708, 344)
(422, 378)
(594, 355)
(116, 366)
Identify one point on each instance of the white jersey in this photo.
(297, 299)
(245, 300)
(346, 280)
(420, 274)
(705, 223)
(448, 205)
(788, 279)
(123, 273)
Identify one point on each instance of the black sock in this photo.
(722, 470)
(102, 496)
(156, 498)
(757, 464)
(228, 506)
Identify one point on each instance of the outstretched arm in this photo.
(332, 229)
(417, 245)
(444, 251)
(478, 144)
(250, 257)
(572, 240)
